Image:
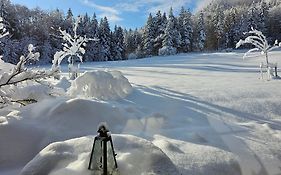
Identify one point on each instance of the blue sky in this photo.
(126, 13)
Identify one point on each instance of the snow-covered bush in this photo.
(101, 85)
(15, 74)
(164, 51)
(72, 49)
(132, 56)
(260, 42)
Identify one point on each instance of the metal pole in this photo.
(92, 153)
(113, 153)
(104, 157)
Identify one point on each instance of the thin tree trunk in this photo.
(266, 57)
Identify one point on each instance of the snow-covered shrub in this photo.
(101, 85)
(73, 48)
(12, 75)
(260, 42)
(164, 51)
(132, 56)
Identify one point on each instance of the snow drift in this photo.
(102, 85)
(135, 156)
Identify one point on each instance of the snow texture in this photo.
(204, 113)
(72, 157)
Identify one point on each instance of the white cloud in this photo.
(111, 13)
(152, 6)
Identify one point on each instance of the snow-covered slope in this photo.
(206, 112)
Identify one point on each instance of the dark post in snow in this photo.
(102, 159)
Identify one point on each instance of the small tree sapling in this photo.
(73, 48)
(260, 42)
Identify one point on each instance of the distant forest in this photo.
(216, 27)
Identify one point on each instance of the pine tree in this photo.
(274, 22)
(104, 40)
(201, 32)
(171, 37)
(117, 47)
(185, 29)
(263, 17)
(129, 42)
(92, 48)
(253, 17)
(218, 21)
(230, 21)
(160, 22)
(69, 21)
(148, 37)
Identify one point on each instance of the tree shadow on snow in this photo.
(184, 117)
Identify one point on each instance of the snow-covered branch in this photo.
(258, 39)
(3, 30)
(20, 73)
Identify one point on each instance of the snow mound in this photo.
(102, 85)
(63, 83)
(197, 159)
(135, 156)
(5, 67)
(82, 116)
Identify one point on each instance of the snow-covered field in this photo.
(191, 114)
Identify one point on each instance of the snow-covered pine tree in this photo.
(253, 17)
(201, 32)
(185, 29)
(160, 22)
(117, 45)
(274, 22)
(104, 40)
(129, 42)
(92, 48)
(218, 21)
(176, 31)
(230, 21)
(171, 37)
(69, 21)
(148, 37)
(263, 9)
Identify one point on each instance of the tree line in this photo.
(219, 26)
